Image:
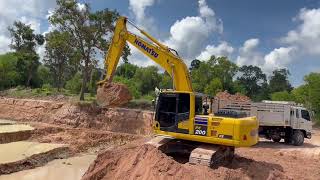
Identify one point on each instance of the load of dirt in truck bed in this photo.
(113, 95)
(147, 162)
(232, 97)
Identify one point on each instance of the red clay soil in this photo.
(77, 115)
(266, 160)
(232, 97)
(147, 162)
(80, 139)
(113, 95)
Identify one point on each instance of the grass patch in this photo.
(140, 104)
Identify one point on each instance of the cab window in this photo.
(297, 113)
(305, 115)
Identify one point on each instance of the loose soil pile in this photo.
(113, 95)
(232, 97)
(147, 162)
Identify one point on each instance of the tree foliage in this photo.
(88, 32)
(279, 81)
(24, 42)
(254, 81)
(215, 68)
(9, 76)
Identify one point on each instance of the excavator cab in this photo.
(172, 109)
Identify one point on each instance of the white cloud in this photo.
(81, 7)
(248, 53)
(223, 49)
(189, 35)
(4, 45)
(278, 58)
(307, 35)
(31, 12)
(138, 8)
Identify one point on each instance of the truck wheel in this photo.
(298, 138)
(276, 140)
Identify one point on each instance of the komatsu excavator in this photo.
(180, 123)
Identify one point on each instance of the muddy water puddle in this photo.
(60, 169)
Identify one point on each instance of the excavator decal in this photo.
(146, 48)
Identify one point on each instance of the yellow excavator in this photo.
(182, 122)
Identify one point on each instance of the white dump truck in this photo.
(277, 119)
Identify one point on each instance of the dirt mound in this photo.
(113, 95)
(232, 97)
(147, 162)
(141, 162)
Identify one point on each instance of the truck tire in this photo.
(276, 140)
(298, 138)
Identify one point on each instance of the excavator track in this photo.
(210, 155)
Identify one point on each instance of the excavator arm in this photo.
(159, 53)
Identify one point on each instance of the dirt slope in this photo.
(77, 116)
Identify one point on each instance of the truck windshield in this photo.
(305, 115)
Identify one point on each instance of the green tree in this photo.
(282, 96)
(313, 88)
(126, 70)
(166, 81)
(216, 67)
(44, 75)
(254, 81)
(89, 33)
(279, 81)
(74, 84)
(8, 73)
(60, 57)
(24, 42)
(300, 94)
(147, 79)
(213, 87)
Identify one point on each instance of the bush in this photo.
(74, 84)
(130, 84)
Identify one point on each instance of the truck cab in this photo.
(301, 119)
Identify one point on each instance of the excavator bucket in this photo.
(113, 94)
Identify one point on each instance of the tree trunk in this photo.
(84, 81)
(29, 78)
(84, 84)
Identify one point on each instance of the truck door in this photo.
(305, 120)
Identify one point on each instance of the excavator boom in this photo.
(156, 51)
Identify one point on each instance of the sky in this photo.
(270, 34)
